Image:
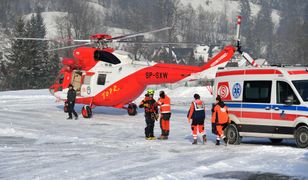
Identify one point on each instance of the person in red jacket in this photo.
(220, 119)
(197, 114)
(165, 114)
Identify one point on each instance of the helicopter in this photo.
(103, 76)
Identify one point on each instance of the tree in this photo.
(246, 25)
(30, 65)
(263, 32)
(291, 36)
(19, 69)
(6, 14)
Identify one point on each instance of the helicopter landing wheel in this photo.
(86, 111)
(132, 109)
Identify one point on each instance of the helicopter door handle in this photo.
(276, 109)
(267, 108)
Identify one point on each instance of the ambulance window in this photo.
(257, 91)
(285, 92)
(302, 88)
(101, 79)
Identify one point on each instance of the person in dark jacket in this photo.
(71, 97)
(197, 114)
(150, 114)
(220, 120)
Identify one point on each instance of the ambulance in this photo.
(269, 102)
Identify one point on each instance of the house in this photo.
(193, 56)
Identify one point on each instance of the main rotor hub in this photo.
(100, 37)
(101, 40)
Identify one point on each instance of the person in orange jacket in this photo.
(165, 114)
(220, 119)
(197, 114)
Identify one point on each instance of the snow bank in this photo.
(180, 95)
(11, 132)
(36, 142)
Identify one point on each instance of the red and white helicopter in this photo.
(103, 76)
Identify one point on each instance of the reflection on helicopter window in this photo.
(106, 57)
(101, 79)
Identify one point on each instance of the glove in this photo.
(156, 116)
(214, 131)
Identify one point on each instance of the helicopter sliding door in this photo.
(86, 90)
(77, 81)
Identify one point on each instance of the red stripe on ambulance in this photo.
(248, 72)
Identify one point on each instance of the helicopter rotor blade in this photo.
(152, 42)
(46, 39)
(67, 47)
(82, 40)
(33, 39)
(118, 38)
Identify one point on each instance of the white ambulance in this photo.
(269, 102)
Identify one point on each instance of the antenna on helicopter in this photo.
(246, 56)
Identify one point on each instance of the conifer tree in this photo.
(19, 70)
(246, 25)
(263, 32)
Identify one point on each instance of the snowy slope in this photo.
(231, 8)
(36, 142)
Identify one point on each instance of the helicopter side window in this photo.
(106, 57)
(101, 80)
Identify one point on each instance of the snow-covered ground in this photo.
(36, 142)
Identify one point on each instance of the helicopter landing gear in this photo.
(132, 109)
(86, 111)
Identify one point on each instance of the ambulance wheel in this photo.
(301, 137)
(86, 111)
(233, 134)
(132, 109)
(276, 141)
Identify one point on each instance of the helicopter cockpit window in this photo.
(101, 80)
(106, 57)
(60, 81)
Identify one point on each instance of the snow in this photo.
(36, 142)
(232, 9)
(50, 20)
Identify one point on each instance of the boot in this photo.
(225, 140)
(153, 138)
(217, 142)
(148, 138)
(204, 138)
(162, 137)
(195, 141)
